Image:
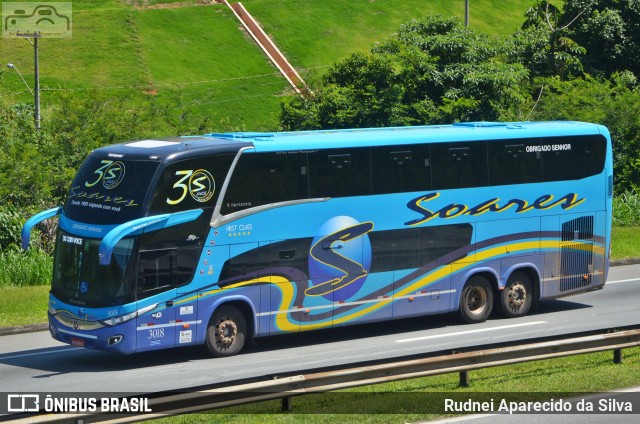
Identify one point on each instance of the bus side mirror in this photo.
(142, 225)
(25, 234)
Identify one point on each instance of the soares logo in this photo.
(454, 210)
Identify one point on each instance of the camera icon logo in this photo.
(23, 403)
(44, 20)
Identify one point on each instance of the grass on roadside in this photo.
(540, 380)
(625, 242)
(23, 305)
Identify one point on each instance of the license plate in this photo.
(77, 342)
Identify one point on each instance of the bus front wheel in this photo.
(517, 296)
(226, 331)
(476, 300)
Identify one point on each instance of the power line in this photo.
(176, 84)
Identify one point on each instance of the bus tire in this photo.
(476, 300)
(517, 297)
(226, 332)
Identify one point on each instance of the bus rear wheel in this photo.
(226, 332)
(517, 296)
(476, 300)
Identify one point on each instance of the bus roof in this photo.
(184, 147)
(367, 137)
(172, 148)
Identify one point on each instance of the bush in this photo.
(626, 209)
(29, 268)
(43, 236)
(10, 225)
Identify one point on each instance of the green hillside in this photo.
(318, 32)
(197, 58)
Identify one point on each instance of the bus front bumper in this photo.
(92, 334)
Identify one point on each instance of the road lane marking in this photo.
(48, 352)
(481, 330)
(623, 281)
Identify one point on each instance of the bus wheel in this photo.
(517, 296)
(476, 300)
(226, 331)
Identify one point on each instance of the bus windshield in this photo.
(107, 191)
(79, 280)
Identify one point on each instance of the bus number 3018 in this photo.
(156, 333)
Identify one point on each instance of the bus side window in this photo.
(573, 158)
(459, 165)
(401, 169)
(514, 162)
(340, 173)
(265, 178)
(156, 272)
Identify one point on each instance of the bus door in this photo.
(245, 273)
(398, 252)
(288, 261)
(155, 284)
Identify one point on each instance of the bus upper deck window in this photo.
(460, 153)
(339, 161)
(400, 158)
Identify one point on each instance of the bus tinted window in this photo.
(572, 158)
(264, 178)
(156, 272)
(107, 191)
(190, 184)
(514, 162)
(397, 169)
(459, 165)
(339, 173)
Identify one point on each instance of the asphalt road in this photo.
(35, 362)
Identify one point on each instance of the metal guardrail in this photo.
(296, 385)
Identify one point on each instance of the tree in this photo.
(544, 44)
(613, 103)
(610, 32)
(432, 71)
(360, 91)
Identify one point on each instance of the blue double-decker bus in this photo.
(221, 238)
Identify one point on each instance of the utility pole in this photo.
(466, 13)
(37, 81)
(36, 88)
(36, 20)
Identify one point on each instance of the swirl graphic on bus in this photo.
(340, 258)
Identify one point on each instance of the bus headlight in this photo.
(127, 317)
